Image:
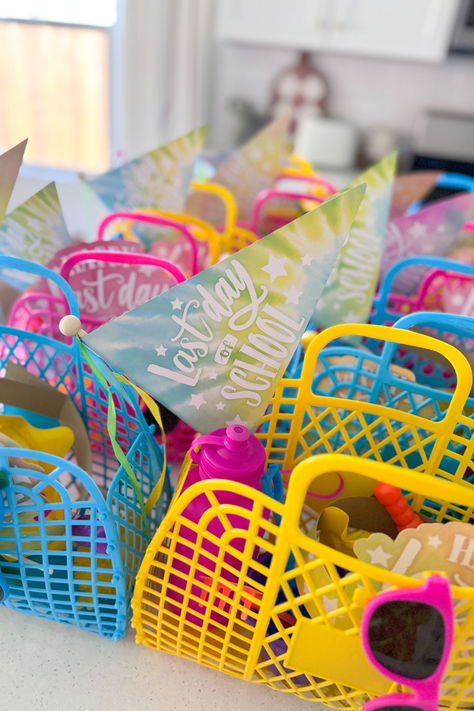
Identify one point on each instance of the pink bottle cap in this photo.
(230, 453)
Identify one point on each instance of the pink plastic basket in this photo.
(40, 312)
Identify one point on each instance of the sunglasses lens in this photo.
(407, 638)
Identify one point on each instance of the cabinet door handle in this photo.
(342, 13)
(322, 13)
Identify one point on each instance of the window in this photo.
(54, 84)
(91, 80)
(87, 12)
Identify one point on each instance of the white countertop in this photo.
(45, 665)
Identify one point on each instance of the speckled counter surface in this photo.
(44, 665)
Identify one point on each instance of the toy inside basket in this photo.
(284, 609)
(71, 541)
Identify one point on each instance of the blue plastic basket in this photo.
(452, 328)
(398, 421)
(455, 181)
(389, 304)
(391, 308)
(71, 542)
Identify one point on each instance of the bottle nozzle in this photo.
(236, 438)
(232, 453)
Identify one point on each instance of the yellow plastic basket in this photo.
(291, 618)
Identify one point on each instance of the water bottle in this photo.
(231, 453)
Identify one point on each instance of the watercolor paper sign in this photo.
(158, 179)
(250, 169)
(35, 230)
(213, 348)
(457, 296)
(10, 163)
(177, 249)
(348, 294)
(105, 289)
(410, 188)
(56, 262)
(432, 546)
(431, 231)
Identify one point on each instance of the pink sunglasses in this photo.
(407, 636)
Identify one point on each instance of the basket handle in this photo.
(434, 274)
(392, 339)
(434, 262)
(307, 178)
(123, 258)
(308, 470)
(152, 220)
(266, 195)
(230, 206)
(24, 265)
(205, 231)
(455, 181)
(435, 318)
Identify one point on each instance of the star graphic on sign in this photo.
(350, 317)
(161, 350)
(306, 260)
(379, 556)
(176, 304)
(197, 400)
(293, 295)
(417, 230)
(434, 541)
(220, 406)
(275, 267)
(425, 247)
(237, 421)
(212, 374)
(457, 299)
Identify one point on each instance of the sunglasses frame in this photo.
(435, 592)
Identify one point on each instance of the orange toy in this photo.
(392, 498)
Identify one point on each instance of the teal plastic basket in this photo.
(435, 275)
(71, 542)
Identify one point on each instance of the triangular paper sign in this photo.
(250, 169)
(158, 179)
(432, 231)
(348, 294)
(10, 163)
(213, 347)
(35, 230)
(410, 188)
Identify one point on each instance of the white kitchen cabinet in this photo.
(397, 29)
(401, 29)
(287, 23)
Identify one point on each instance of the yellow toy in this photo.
(15, 431)
(334, 531)
(54, 440)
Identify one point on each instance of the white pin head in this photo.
(71, 326)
